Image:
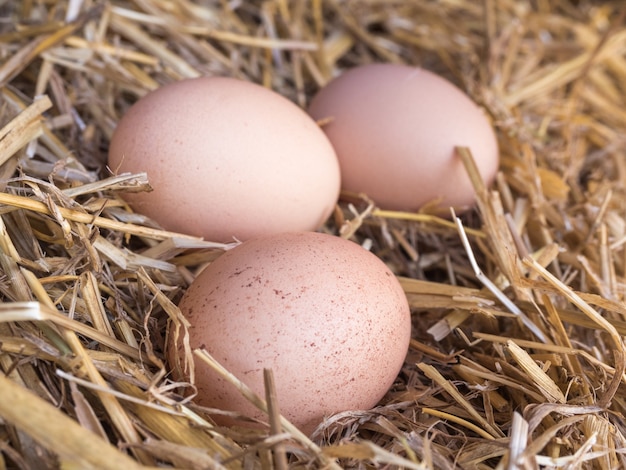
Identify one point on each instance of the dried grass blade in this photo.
(455, 419)
(366, 450)
(426, 218)
(440, 380)
(24, 128)
(267, 43)
(536, 414)
(57, 432)
(562, 338)
(35, 311)
(273, 411)
(52, 142)
(432, 352)
(605, 445)
(124, 181)
(552, 78)
(536, 375)
(173, 246)
(173, 425)
(90, 293)
(418, 286)
(148, 42)
(183, 456)
(22, 58)
(116, 412)
(448, 324)
(127, 259)
(85, 414)
(110, 50)
(502, 380)
(178, 319)
(618, 351)
(84, 218)
(528, 323)
(556, 349)
(362, 33)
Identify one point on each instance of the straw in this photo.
(517, 357)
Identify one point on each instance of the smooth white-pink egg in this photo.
(227, 159)
(395, 129)
(327, 316)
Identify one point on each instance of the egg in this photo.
(226, 159)
(395, 127)
(327, 316)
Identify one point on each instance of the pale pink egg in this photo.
(227, 159)
(327, 316)
(394, 129)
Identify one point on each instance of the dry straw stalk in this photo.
(517, 358)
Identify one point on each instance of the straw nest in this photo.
(517, 356)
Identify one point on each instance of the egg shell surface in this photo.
(327, 316)
(395, 127)
(226, 158)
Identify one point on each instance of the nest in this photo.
(517, 356)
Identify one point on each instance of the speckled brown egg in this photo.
(395, 128)
(227, 159)
(327, 316)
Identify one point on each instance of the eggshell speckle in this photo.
(226, 158)
(394, 129)
(327, 316)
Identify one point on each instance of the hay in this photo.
(517, 357)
